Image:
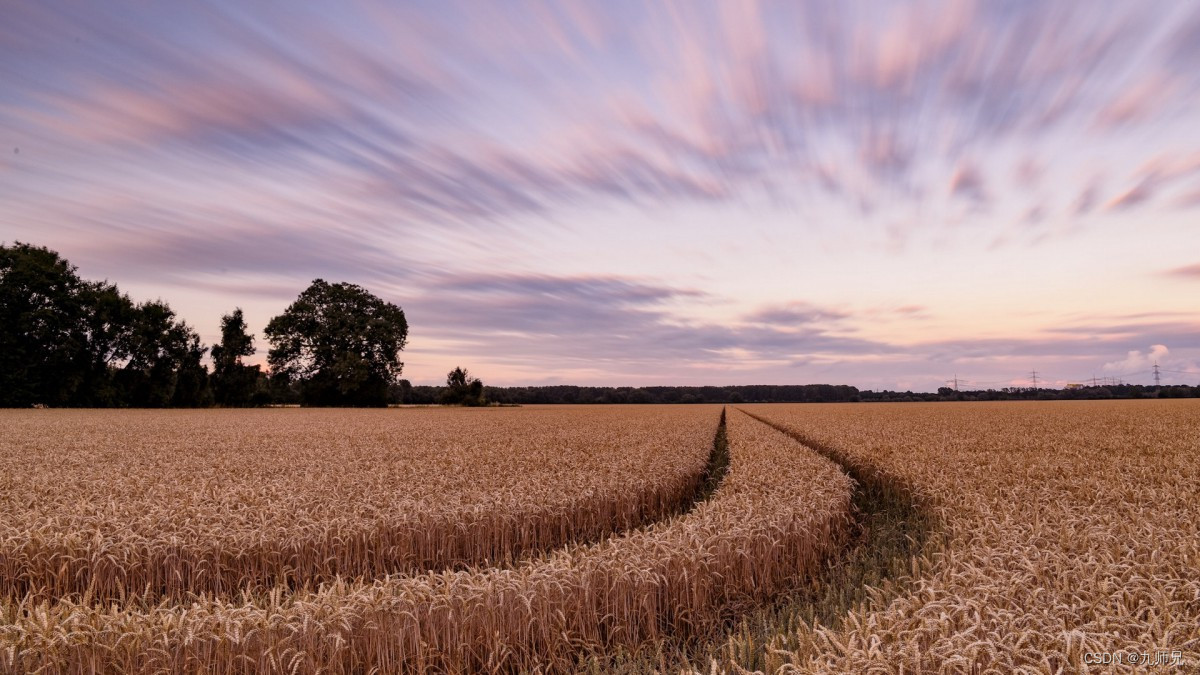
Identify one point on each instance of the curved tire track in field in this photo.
(778, 513)
(886, 492)
(891, 528)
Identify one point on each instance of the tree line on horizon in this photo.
(574, 394)
(69, 342)
(765, 393)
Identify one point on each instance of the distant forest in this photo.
(802, 393)
(69, 342)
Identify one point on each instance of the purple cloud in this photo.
(529, 318)
(534, 180)
(1185, 272)
(967, 182)
(754, 106)
(796, 314)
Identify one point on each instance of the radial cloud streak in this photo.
(871, 193)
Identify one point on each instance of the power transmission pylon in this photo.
(1034, 374)
(1156, 374)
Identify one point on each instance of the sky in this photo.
(882, 194)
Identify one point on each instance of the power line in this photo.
(1037, 377)
(1136, 372)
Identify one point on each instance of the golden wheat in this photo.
(1072, 531)
(114, 504)
(779, 511)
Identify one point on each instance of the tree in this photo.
(102, 340)
(400, 392)
(462, 389)
(161, 350)
(341, 343)
(191, 377)
(234, 383)
(66, 341)
(40, 312)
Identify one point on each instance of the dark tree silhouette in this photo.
(161, 351)
(233, 382)
(462, 389)
(69, 342)
(341, 343)
(103, 341)
(191, 379)
(40, 313)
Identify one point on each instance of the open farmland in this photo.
(780, 510)
(1061, 530)
(1072, 530)
(159, 505)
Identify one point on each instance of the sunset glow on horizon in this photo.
(882, 194)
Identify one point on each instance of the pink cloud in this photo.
(1155, 175)
(1186, 272)
(180, 108)
(1136, 360)
(1188, 200)
(1139, 101)
(967, 181)
(1087, 199)
(1135, 195)
(1028, 173)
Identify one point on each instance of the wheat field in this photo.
(777, 513)
(169, 504)
(633, 538)
(1072, 531)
